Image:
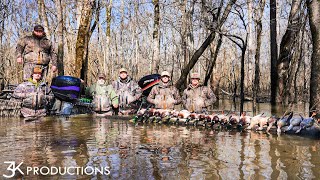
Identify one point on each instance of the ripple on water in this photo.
(157, 151)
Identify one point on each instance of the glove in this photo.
(157, 101)
(171, 101)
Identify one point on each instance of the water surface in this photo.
(155, 151)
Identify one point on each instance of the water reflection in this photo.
(155, 151)
(267, 108)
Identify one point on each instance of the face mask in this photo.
(101, 81)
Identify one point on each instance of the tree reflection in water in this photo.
(157, 151)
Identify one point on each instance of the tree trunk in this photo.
(121, 53)
(136, 36)
(251, 47)
(256, 81)
(212, 63)
(285, 56)
(83, 33)
(273, 50)
(184, 30)
(314, 21)
(185, 71)
(156, 37)
(85, 65)
(44, 18)
(108, 35)
(243, 53)
(60, 55)
(2, 72)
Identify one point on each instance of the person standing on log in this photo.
(36, 50)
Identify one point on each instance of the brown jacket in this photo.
(164, 96)
(195, 99)
(36, 50)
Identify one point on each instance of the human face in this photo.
(165, 79)
(38, 33)
(123, 75)
(101, 80)
(36, 76)
(194, 82)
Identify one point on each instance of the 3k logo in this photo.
(12, 168)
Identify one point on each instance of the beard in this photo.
(101, 81)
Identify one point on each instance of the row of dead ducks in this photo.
(287, 122)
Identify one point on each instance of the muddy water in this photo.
(154, 151)
(266, 108)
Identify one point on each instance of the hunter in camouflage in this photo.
(104, 96)
(34, 95)
(197, 98)
(164, 95)
(128, 92)
(36, 51)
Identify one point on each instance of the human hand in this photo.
(54, 68)
(171, 101)
(20, 60)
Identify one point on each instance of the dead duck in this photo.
(257, 120)
(295, 121)
(183, 115)
(284, 121)
(271, 121)
(307, 122)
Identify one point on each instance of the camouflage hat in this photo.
(37, 70)
(102, 75)
(123, 70)
(165, 73)
(195, 76)
(38, 27)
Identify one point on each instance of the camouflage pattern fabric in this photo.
(34, 96)
(35, 51)
(164, 96)
(128, 92)
(196, 99)
(103, 97)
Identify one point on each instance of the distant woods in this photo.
(252, 49)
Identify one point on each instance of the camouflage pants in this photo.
(28, 69)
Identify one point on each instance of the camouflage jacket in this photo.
(33, 95)
(164, 96)
(103, 97)
(128, 91)
(36, 50)
(195, 99)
